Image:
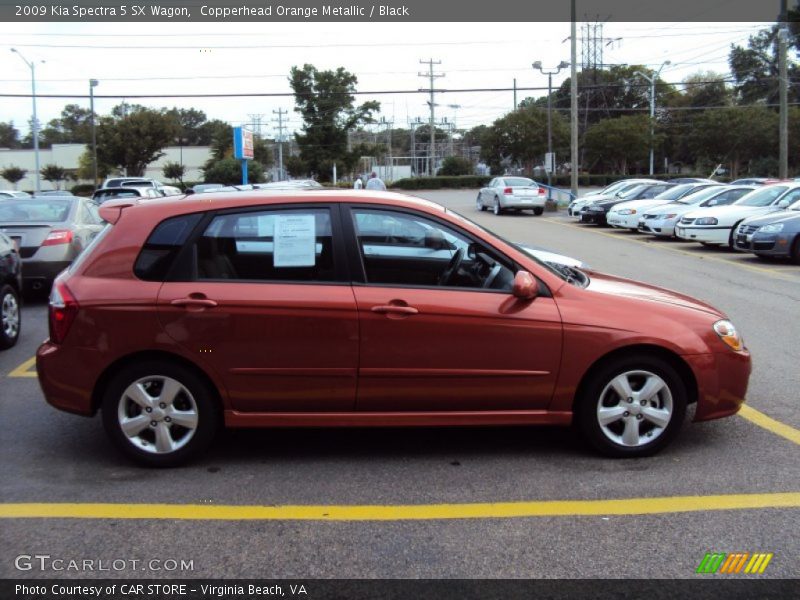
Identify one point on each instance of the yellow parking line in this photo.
(26, 369)
(770, 424)
(494, 510)
(763, 270)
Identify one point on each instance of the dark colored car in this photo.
(50, 232)
(356, 309)
(774, 235)
(597, 211)
(10, 291)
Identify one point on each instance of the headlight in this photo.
(728, 334)
(628, 211)
(706, 221)
(774, 228)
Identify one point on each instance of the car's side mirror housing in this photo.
(783, 203)
(525, 286)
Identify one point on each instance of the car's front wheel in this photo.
(9, 316)
(159, 414)
(795, 256)
(632, 406)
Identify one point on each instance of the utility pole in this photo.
(431, 76)
(550, 163)
(92, 84)
(280, 112)
(573, 103)
(652, 81)
(515, 93)
(389, 164)
(783, 138)
(35, 121)
(412, 125)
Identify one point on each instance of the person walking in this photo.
(375, 182)
(358, 184)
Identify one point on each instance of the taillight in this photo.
(541, 191)
(62, 311)
(58, 236)
(508, 191)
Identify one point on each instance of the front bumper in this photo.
(722, 380)
(624, 221)
(766, 244)
(713, 234)
(599, 218)
(662, 227)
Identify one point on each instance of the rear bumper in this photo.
(58, 370)
(42, 271)
(722, 381)
(522, 202)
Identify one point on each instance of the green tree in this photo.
(133, 136)
(54, 174)
(85, 168)
(521, 137)
(188, 124)
(174, 171)
(9, 136)
(229, 171)
(326, 102)
(74, 126)
(755, 68)
(616, 143)
(295, 166)
(456, 165)
(735, 136)
(13, 175)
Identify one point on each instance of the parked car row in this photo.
(758, 216)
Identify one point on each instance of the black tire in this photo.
(731, 243)
(479, 204)
(795, 252)
(496, 207)
(597, 394)
(10, 316)
(195, 396)
(538, 211)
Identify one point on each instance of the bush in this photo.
(437, 183)
(456, 165)
(83, 189)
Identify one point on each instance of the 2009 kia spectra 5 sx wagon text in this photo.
(323, 308)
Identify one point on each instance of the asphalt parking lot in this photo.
(435, 503)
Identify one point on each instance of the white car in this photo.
(13, 194)
(661, 220)
(715, 225)
(517, 193)
(627, 214)
(607, 193)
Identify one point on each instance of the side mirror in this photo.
(434, 239)
(783, 203)
(712, 203)
(525, 286)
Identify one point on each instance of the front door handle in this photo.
(198, 301)
(394, 309)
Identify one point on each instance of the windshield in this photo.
(35, 211)
(701, 195)
(677, 192)
(763, 197)
(635, 191)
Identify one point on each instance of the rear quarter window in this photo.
(163, 245)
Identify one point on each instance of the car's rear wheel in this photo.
(632, 406)
(9, 316)
(538, 210)
(496, 209)
(159, 414)
(479, 204)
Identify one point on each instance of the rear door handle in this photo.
(394, 309)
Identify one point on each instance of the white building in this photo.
(67, 156)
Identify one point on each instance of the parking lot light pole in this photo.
(35, 123)
(550, 73)
(652, 81)
(93, 84)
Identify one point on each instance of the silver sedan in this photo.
(512, 193)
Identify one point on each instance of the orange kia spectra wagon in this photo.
(331, 309)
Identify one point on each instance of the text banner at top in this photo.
(533, 11)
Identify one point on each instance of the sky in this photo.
(191, 58)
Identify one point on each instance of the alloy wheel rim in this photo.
(157, 414)
(634, 408)
(10, 311)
